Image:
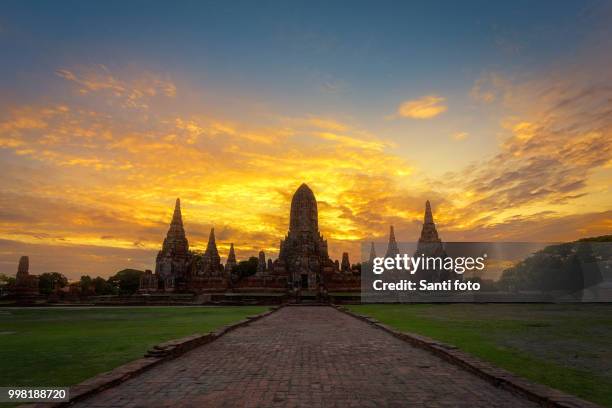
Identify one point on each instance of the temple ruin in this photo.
(26, 285)
(303, 263)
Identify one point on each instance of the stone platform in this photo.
(306, 356)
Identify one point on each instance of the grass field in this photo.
(564, 346)
(568, 347)
(54, 347)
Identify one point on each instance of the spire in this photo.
(303, 216)
(261, 262)
(177, 218)
(211, 248)
(372, 253)
(211, 237)
(231, 258)
(345, 265)
(429, 233)
(176, 241)
(430, 243)
(428, 219)
(392, 248)
(24, 265)
(211, 261)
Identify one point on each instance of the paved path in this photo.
(311, 357)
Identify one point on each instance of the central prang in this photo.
(303, 252)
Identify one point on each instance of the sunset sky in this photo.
(500, 114)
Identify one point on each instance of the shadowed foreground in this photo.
(64, 346)
(564, 346)
(306, 356)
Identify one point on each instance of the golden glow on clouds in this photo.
(458, 136)
(76, 177)
(426, 107)
(134, 93)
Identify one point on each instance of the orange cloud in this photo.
(558, 135)
(426, 107)
(458, 136)
(236, 176)
(83, 179)
(132, 92)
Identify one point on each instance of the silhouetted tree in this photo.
(48, 282)
(6, 283)
(86, 285)
(126, 281)
(246, 268)
(102, 287)
(568, 267)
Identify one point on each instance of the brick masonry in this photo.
(306, 356)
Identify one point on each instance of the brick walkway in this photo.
(306, 356)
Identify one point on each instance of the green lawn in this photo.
(568, 347)
(56, 347)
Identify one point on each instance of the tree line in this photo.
(567, 267)
(124, 282)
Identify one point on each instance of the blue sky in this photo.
(279, 48)
(353, 60)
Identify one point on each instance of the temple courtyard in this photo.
(312, 356)
(305, 356)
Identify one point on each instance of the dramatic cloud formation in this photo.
(88, 189)
(86, 178)
(426, 107)
(550, 178)
(560, 136)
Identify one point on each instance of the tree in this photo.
(6, 283)
(246, 268)
(126, 281)
(568, 267)
(102, 287)
(49, 281)
(86, 285)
